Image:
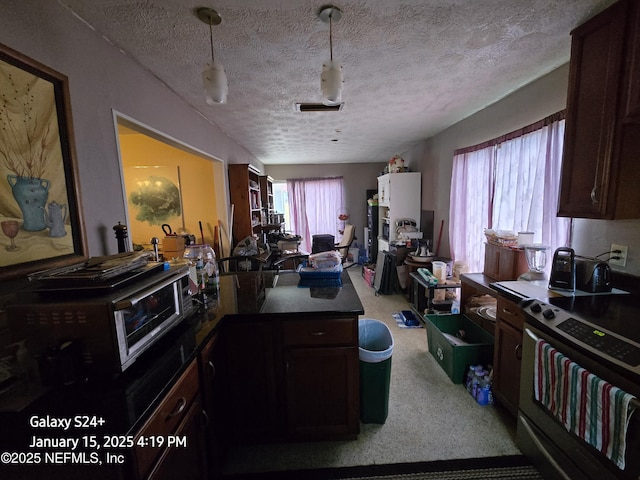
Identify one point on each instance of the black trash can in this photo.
(376, 349)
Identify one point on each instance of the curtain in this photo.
(314, 204)
(471, 192)
(512, 184)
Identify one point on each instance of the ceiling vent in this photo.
(318, 107)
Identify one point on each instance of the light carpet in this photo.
(430, 418)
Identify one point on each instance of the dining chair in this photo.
(239, 263)
(289, 262)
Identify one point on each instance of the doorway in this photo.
(169, 183)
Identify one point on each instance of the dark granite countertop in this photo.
(126, 401)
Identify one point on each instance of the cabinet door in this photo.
(322, 392)
(594, 83)
(250, 383)
(165, 420)
(211, 392)
(507, 358)
(632, 65)
(185, 461)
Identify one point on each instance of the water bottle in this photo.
(483, 391)
(475, 384)
(469, 378)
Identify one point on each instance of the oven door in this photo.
(556, 452)
(143, 318)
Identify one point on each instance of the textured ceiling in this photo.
(411, 67)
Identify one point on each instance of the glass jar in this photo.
(203, 258)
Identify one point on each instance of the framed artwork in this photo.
(40, 210)
(154, 198)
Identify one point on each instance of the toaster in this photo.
(592, 275)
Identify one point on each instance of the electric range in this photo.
(606, 325)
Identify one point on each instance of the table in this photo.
(420, 286)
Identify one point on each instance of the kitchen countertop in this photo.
(126, 401)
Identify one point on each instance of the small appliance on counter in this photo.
(592, 275)
(563, 270)
(536, 256)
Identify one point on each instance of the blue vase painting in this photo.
(31, 195)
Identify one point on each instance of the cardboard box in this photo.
(455, 359)
(172, 247)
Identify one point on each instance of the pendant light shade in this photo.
(331, 80)
(331, 83)
(214, 78)
(215, 84)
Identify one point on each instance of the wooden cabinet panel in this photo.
(509, 312)
(327, 332)
(631, 103)
(600, 149)
(189, 462)
(322, 388)
(292, 378)
(504, 263)
(250, 374)
(244, 194)
(210, 361)
(507, 359)
(166, 418)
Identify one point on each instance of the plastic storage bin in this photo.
(455, 359)
(376, 349)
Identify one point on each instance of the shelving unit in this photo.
(399, 196)
(266, 192)
(244, 194)
(371, 230)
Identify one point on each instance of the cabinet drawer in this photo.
(510, 313)
(334, 331)
(166, 418)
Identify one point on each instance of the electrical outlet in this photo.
(622, 261)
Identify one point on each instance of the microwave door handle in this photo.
(131, 301)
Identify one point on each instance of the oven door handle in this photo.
(532, 435)
(531, 334)
(131, 301)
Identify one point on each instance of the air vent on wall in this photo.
(318, 107)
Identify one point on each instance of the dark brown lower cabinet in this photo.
(507, 354)
(321, 399)
(187, 461)
(173, 437)
(292, 378)
(250, 402)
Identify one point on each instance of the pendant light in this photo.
(331, 78)
(214, 79)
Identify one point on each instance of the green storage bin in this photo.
(376, 349)
(455, 359)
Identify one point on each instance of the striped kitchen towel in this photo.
(586, 405)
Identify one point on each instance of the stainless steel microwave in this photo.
(111, 329)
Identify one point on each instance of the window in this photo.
(314, 204)
(510, 183)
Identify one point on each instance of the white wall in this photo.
(533, 102)
(102, 79)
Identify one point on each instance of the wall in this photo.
(532, 102)
(103, 80)
(358, 178)
(195, 182)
